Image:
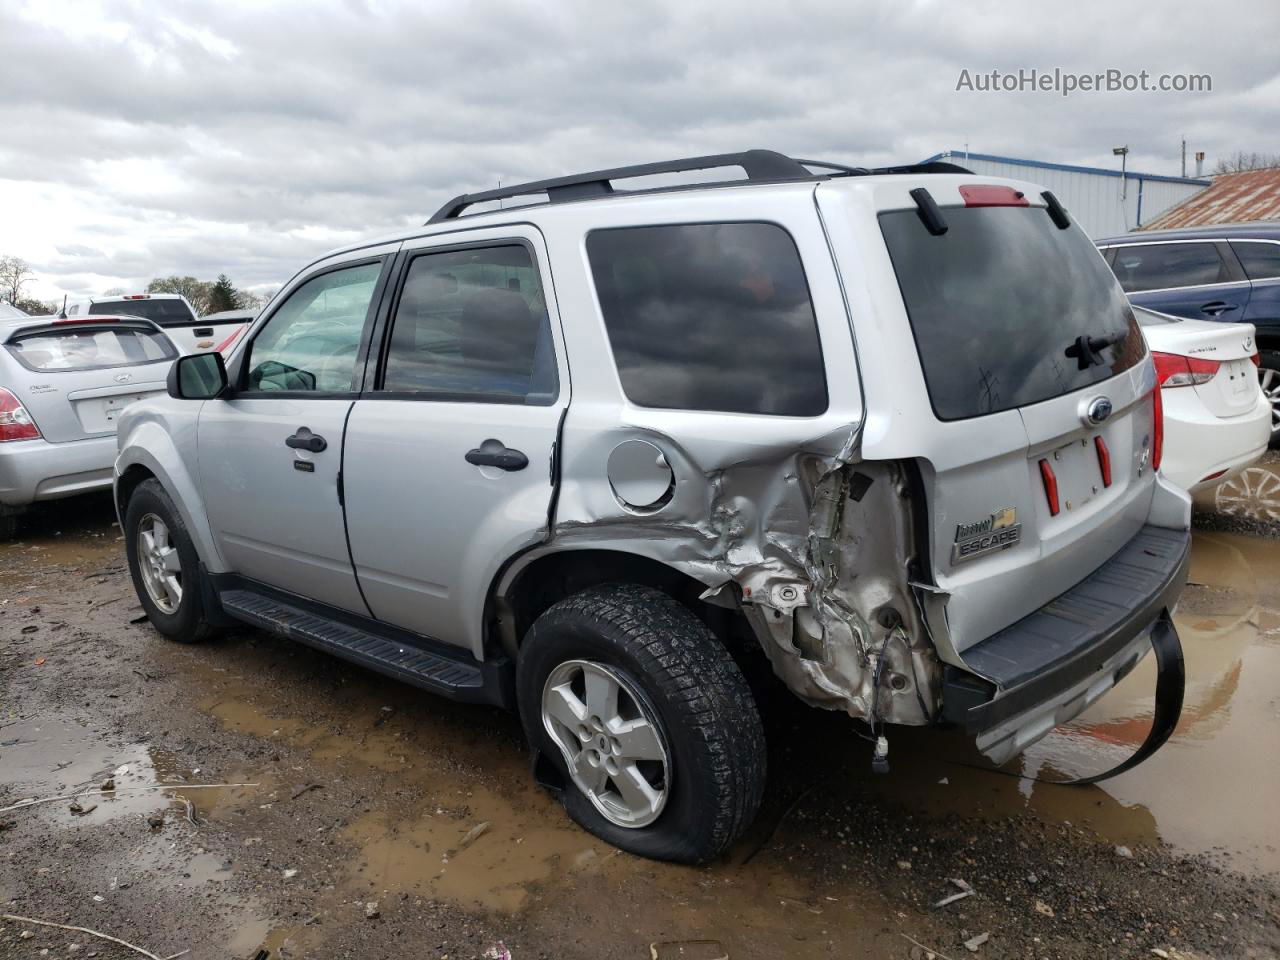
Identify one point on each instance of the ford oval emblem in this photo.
(1099, 410)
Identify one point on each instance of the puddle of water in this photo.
(1199, 793)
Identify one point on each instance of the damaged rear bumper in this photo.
(1049, 666)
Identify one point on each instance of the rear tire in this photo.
(681, 717)
(164, 566)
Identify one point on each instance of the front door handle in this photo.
(1217, 307)
(304, 439)
(494, 453)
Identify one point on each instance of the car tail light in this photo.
(1157, 429)
(88, 319)
(15, 422)
(137, 296)
(992, 195)
(1175, 371)
(1050, 487)
(1257, 360)
(1104, 460)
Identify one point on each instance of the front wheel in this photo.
(164, 565)
(647, 719)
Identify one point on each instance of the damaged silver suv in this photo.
(896, 429)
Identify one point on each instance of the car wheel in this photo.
(1269, 378)
(647, 719)
(164, 565)
(10, 521)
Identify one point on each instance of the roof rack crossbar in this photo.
(757, 164)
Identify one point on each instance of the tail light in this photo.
(1104, 460)
(15, 422)
(1157, 429)
(1175, 371)
(1050, 487)
(1257, 360)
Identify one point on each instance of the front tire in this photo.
(647, 719)
(164, 565)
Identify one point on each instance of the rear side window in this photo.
(472, 325)
(1261, 261)
(167, 313)
(1156, 266)
(90, 349)
(997, 302)
(710, 317)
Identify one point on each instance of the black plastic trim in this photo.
(490, 681)
(1070, 637)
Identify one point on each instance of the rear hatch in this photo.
(78, 375)
(1018, 380)
(1216, 359)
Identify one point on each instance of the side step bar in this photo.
(449, 671)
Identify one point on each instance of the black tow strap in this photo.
(1171, 682)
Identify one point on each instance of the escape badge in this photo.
(996, 532)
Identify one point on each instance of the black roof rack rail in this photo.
(759, 165)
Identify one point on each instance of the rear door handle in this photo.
(1215, 307)
(494, 453)
(304, 439)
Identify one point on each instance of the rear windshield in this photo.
(90, 349)
(167, 313)
(997, 302)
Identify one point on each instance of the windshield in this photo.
(167, 313)
(1007, 309)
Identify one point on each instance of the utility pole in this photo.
(1184, 156)
(1123, 154)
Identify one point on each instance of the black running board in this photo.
(449, 671)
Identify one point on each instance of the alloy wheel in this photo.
(1255, 494)
(611, 739)
(159, 564)
(1270, 381)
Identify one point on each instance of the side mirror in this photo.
(199, 376)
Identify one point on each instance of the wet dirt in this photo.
(366, 834)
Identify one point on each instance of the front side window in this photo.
(1261, 260)
(472, 324)
(311, 343)
(710, 317)
(1157, 266)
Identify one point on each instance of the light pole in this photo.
(1123, 154)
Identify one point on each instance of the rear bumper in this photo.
(1198, 444)
(33, 470)
(1049, 666)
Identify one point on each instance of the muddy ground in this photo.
(358, 830)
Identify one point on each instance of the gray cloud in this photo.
(192, 138)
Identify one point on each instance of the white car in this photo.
(1217, 421)
(190, 333)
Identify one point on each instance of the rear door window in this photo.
(472, 325)
(1261, 260)
(1158, 266)
(996, 303)
(710, 316)
(167, 313)
(90, 348)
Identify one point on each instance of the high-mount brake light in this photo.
(15, 422)
(992, 195)
(1173, 370)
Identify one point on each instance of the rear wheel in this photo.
(166, 570)
(647, 719)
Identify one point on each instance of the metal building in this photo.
(1101, 200)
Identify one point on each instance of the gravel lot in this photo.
(381, 822)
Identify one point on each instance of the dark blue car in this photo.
(1227, 272)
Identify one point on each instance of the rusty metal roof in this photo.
(1230, 198)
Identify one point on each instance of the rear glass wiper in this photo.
(1086, 349)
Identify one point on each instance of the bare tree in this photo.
(1240, 161)
(14, 272)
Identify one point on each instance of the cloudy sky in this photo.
(144, 139)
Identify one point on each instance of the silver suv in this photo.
(894, 429)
